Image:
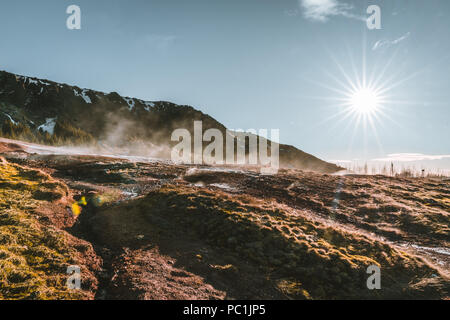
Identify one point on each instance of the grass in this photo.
(33, 256)
(303, 257)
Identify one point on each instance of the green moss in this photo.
(293, 289)
(319, 261)
(33, 257)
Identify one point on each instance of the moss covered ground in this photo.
(33, 256)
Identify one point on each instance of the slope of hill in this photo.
(158, 230)
(34, 250)
(60, 114)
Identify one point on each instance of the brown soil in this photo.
(9, 147)
(165, 231)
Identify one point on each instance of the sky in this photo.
(260, 64)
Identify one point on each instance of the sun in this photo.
(364, 101)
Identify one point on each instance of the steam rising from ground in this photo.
(127, 137)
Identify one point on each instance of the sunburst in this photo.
(360, 101)
(365, 101)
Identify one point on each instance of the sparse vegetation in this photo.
(33, 256)
(64, 134)
(175, 232)
(301, 256)
(396, 170)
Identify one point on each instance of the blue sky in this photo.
(254, 63)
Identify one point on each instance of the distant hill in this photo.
(58, 113)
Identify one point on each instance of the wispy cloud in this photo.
(160, 42)
(384, 44)
(291, 12)
(340, 161)
(408, 157)
(322, 10)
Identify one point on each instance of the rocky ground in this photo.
(155, 230)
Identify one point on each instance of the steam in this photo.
(123, 136)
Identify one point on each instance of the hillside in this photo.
(155, 230)
(34, 250)
(52, 113)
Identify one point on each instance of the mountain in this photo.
(55, 111)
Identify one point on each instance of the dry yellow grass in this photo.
(33, 256)
(303, 257)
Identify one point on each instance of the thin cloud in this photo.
(291, 13)
(160, 42)
(384, 44)
(408, 157)
(340, 161)
(322, 10)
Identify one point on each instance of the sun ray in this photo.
(325, 86)
(375, 133)
(342, 70)
(343, 84)
(364, 59)
(361, 96)
(385, 68)
(355, 71)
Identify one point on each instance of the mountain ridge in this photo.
(114, 119)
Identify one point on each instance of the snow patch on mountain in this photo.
(130, 102)
(11, 119)
(49, 125)
(33, 81)
(83, 95)
(148, 105)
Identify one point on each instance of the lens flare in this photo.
(364, 101)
